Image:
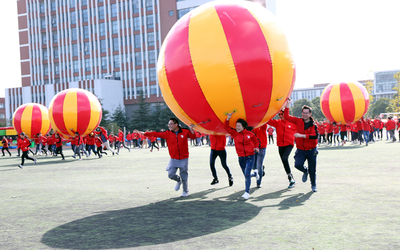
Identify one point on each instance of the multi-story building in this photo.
(2, 110)
(109, 47)
(384, 82)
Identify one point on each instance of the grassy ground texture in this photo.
(127, 202)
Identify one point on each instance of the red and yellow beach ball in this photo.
(225, 56)
(32, 119)
(75, 109)
(344, 102)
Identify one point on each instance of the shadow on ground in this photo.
(157, 223)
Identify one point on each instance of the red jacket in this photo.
(218, 142)
(245, 141)
(365, 124)
(329, 128)
(335, 129)
(5, 143)
(354, 127)
(321, 129)
(342, 127)
(121, 136)
(390, 125)
(177, 142)
(78, 140)
(129, 136)
(309, 129)
(261, 134)
(102, 131)
(359, 125)
(59, 141)
(377, 123)
(284, 132)
(98, 142)
(25, 143)
(90, 140)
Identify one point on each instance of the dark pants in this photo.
(59, 151)
(330, 138)
(270, 138)
(311, 156)
(222, 156)
(2, 150)
(25, 156)
(284, 152)
(342, 135)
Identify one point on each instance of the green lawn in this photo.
(127, 201)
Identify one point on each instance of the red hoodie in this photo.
(177, 142)
(390, 125)
(284, 132)
(218, 142)
(261, 134)
(25, 143)
(245, 141)
(309, 129)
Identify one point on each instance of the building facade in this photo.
(103, 46)
(384, 82)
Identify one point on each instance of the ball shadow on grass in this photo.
(157, 223)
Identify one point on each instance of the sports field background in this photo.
(127, 202)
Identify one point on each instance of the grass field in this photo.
(127, 202)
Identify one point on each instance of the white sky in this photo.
(331, 40)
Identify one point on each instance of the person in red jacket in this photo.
(90, 143)
(261, 134)
(99, 145)
(246, 144)
(121, 140)
(177, 139)
(218, 143)
(306, 143)
(391, 126)
(365, 129)
(336, 133)
(285, 140)
(329, 132)
(321, 132)
(25, 143)
(102, 132)
(78, 141)
(270, 131)
(343, 133)
(129, 139)
(5, 146)
(58, 141)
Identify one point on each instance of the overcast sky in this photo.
(331, 40)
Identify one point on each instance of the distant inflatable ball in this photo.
(344, 102)
(75, 109)
(225, 56)
(32, 119)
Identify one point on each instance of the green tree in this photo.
(141, 116)
(395, 102)
(380, 106)
(316, 109)
(369, 86)
(297, 106)
(119, 117)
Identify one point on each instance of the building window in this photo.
(149, 5)
(135, 6)
(101, 12)
(138, 58)
(45, 57)
(88, 67)
(115, 44)
(153, 89)
(72, 17)
(138, 73)
(53, 5)
(87, 48)
(55, 37)
(83, 2)
(152, 57)
(103, 62)
(56, 68)
(102, 29)
(136, 23)
(150, 39)
(72, 3)
(55, 52)
(76, 66)
(171, 13)
(103, 44)
(116, 61)
(150, 23)
(75, 49)
(137, 41)
(53, 21)
(113, 10)
(183, 12)
(1, 105)
(74, 34)
(85, 32)
(44, 38)
(42, 7)
(46, 69)
(85, 15)
(114, 27)
(153, 74)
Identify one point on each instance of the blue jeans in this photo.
(246, 164)
(366, 136)
(259, 160)
(311, 156)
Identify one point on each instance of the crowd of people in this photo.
(250, 144)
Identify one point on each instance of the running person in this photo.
(104, 138)
(246, 144)
(261, 134)
(59, 141)
(25, 143)
(218, 143)
(5, 146)
(177, 140)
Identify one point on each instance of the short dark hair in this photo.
(243, 122)
(174, 120)
(306, 107)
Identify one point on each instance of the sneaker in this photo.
(256, 174)
(314, 188)
(113, 153)
(80, 159)
(117, 153)
(184, 194)
(263, 171)
(259, 185)
(20, 166)
(230, 181)
(305, 175)
(178, 185)
(291, 184)
(215, 181)
(74, 156)
(63, 159)
(129, 150)
(245, 195)
(34, 161)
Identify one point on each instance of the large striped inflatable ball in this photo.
(344, 102)
(225, 56)
(32, 119)
(75, 109)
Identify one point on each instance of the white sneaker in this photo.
(256, 174)
(178, 185)
(34, 160)
(20, 166)
(185, 194)
(245, 195)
